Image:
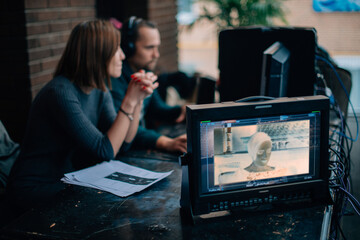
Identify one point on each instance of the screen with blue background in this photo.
(336, 5)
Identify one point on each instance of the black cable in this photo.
(338, 177)
(339, 182)
(340, 146)
(353, 200)
(343, 159)
(341, 231)
(346, 92)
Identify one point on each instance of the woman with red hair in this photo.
(72, 122)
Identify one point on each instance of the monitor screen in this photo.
(247, 153)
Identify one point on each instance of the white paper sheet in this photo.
(115, 177)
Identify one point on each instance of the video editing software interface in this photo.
(239, 154)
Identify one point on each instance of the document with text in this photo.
(115, 177)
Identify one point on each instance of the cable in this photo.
(339, 181)
(346, 92)
(355, 203)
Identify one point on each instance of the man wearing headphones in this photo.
(140, 41)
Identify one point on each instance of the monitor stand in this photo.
(186, 213)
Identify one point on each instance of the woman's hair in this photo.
(255, 142)
(88, 52)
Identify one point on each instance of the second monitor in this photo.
(241, 60)
(275, 71)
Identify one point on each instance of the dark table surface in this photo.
(86, 213)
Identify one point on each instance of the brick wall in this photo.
(33, 36)
(48, 25)
(163, 12)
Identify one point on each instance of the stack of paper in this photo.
(115, 177)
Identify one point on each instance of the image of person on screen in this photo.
(259, 148)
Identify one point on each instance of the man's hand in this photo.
(178, 144)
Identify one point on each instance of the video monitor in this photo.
(275, 71)
(241, 60)
(257, 153)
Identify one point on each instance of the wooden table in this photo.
(86, 213)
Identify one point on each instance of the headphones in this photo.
(129, 33)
